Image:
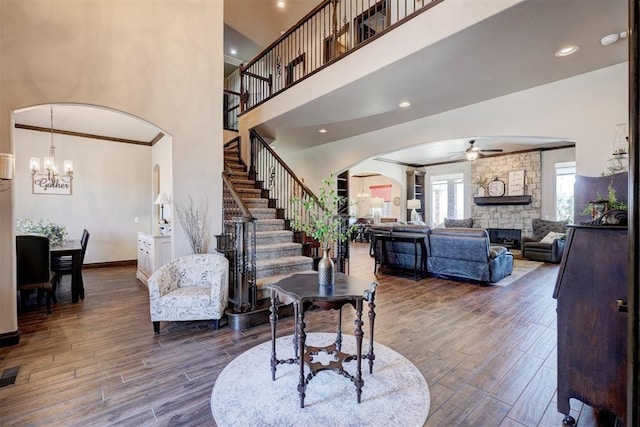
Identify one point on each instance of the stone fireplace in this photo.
(508, 216)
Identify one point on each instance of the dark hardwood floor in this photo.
(488, 353)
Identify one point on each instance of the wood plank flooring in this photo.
(488, 353)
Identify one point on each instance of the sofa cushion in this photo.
(458, 223)
(550, 237)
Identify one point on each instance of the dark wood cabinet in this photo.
(591, 290)
(416, 190)
(342, 185)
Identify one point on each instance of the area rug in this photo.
(521, 267)
(395, 394)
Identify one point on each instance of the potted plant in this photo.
(319, 219)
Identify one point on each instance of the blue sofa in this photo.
(466, 253)
(451, 253)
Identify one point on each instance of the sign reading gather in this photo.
(45, 185)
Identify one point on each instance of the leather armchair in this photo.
(534, 249)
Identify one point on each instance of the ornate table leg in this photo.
(358, 381)
(372, 317)
(273, 318)
(339, 334)
(301, 339)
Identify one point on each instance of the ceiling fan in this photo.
(474, 152)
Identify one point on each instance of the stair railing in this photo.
(230, 109)
(332, 30)
(238, 243)
(271, 173)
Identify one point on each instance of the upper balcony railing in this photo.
(329, 32)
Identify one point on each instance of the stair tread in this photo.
(264, 281)
(287, 260)
(277, 246)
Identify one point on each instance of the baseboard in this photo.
(125, 263)
(10, 338)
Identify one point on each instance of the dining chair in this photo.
(33, 268)
(64, 265)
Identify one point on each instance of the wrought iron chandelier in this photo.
(50, 176)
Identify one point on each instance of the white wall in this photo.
(111, 187)
(160, 61)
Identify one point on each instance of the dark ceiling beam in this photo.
(90, 135)
(414, 165)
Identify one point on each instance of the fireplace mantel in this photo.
(504, 200)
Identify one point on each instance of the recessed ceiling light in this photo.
(322, 130)
(281, 4)
(404, 104)
(566, 51)
(233, 51)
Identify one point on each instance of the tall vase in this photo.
(326, 273)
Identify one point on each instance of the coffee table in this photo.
(302, 290)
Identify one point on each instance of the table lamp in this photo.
(162, 200)
(414, 204)
(376, 204)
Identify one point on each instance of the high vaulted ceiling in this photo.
(508, 52)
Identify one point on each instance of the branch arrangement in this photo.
(195, 225)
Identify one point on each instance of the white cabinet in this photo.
(153, 252)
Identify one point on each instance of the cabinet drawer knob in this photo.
(622, 306)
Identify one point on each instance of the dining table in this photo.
(72, 248)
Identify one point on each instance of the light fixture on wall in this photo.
(7, 168)
(414, 204)
(619, 161)
(51, 174)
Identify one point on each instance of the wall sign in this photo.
(516, 183)
(44, 185)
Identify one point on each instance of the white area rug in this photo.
(521, 267)
(396, 394)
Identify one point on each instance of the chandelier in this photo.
(50, 176)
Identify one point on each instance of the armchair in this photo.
(535, 248)
(191, 287)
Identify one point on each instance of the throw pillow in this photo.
(458, 223)
(550, 237)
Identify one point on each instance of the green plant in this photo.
(319, 217)
(56, 233)
(612, 201)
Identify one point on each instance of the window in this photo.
(383, 192)
(447, 198)
(565, 180)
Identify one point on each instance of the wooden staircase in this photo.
(277, 255)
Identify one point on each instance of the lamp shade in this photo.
(162, 199)
(413, 204)
(6, 166)
(376, 202)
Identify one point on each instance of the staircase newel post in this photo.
(254, 154)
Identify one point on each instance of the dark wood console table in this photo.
(419, 251)
(591, 290)
(302, 291)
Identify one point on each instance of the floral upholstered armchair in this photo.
(191, 287)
